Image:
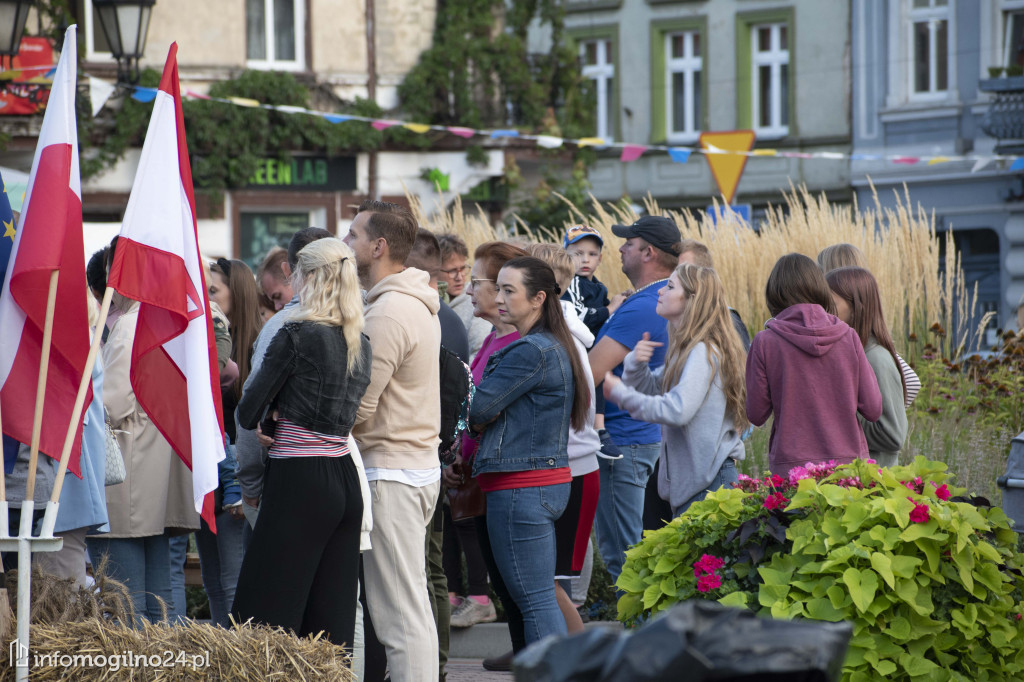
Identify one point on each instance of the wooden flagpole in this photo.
(44, 366)
(76, 414)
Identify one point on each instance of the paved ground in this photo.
(471, 670)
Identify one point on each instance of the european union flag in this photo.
(6, 229)
(10, 446)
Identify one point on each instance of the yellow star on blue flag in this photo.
(10, 446)
(7, 239)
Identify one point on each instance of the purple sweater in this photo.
(809, 369)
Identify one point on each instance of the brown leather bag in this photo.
(467, 501)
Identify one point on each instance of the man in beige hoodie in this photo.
(397, 430)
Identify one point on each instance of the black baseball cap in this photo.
(658, 231)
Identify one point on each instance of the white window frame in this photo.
(932, 15)
(774, 58)
(688, 65)
(90, 28)
(900, 65)
(1006, 7)
(600, 73)
(270, 62)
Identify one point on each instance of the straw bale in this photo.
(95, 625)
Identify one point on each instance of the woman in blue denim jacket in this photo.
(532, 391)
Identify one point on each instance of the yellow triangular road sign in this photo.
(727, 167)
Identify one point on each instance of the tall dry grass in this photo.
(901, 246)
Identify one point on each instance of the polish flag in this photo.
(48, 238)
(174, 360)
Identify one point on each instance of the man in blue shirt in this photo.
(649, 256)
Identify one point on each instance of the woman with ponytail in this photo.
(532, 391)
(301, 570)
(697, 396)
(859, 305)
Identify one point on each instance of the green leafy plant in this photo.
(226, 142)
(480, 73)
(990, 388)
(931, 582)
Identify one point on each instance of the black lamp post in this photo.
(125, 23)
(13, 14)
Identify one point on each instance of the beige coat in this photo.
(157, 492)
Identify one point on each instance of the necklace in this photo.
(649, 285)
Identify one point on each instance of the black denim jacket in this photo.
(303, 376)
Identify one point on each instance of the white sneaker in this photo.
(470, 612)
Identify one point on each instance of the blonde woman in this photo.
(302, 566)
(697, 396)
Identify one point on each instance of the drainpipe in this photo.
(371, 86)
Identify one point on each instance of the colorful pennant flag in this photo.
(632, 152)
(679, 154)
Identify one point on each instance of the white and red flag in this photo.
(174, 361)
(48, 238)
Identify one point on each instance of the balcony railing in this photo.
(1004, 119)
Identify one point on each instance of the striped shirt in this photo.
(292, 440)
(911, 379)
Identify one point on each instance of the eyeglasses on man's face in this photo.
(457, 272)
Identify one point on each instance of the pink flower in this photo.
(775, 501)
(706, 583)
(920, 514)
(707, 564)
(942, 492)
(871, 461)
(777, 481)
(797, 474)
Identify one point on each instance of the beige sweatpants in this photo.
(396, 579)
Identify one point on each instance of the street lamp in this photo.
(125, 24)
(13, 14)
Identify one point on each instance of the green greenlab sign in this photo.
(305, 174)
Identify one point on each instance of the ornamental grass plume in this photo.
(901, 245)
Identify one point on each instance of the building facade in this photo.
(664, 71)
(922, 87)
(324, 43)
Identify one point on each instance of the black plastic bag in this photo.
(693, 642)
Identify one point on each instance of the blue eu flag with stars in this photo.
(6, 244)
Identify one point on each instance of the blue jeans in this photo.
(619, 520)
(143, 565)
(726, 476)
(220, 560)
(521, 526)
(178, 607)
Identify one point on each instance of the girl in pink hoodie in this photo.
(808, 369)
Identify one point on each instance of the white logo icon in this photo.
(17, 654)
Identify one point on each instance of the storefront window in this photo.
(261, 231)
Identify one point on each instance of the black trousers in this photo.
(301, 570)
(460, 538)
(657, 512)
